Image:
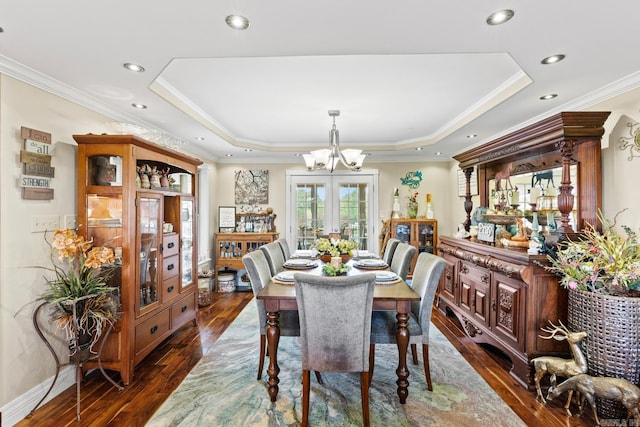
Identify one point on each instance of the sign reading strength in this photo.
(30, 181)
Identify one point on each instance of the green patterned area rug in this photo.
(222, 389)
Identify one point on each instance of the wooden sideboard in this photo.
(502, 298)
(500, 295)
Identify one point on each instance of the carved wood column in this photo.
(565, 198)
(468, 204)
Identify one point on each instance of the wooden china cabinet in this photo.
(420, 233)
(153, 232)
(500, 295)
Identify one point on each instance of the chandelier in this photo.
(328, 158)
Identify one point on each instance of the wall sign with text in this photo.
(36, 160)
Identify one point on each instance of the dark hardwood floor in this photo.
(161, 372)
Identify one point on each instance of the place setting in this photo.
(304, 254)
(284, 277)
(370, 264)
(387, 278)
(300, 264)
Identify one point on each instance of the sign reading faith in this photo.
(486, 232)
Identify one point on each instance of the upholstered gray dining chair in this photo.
(335, 328)
(286, 251)
(426, 275)
(392, 244)
(260, 274)
(401, 260)
(275, 257)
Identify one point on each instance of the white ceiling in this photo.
(404, 75)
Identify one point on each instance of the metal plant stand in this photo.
(77, 359)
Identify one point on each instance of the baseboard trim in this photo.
(17, 409)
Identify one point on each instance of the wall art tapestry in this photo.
(252, 187)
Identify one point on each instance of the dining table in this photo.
(394, 295)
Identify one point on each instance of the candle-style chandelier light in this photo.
(352, 159)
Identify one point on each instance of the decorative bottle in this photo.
(429, 207)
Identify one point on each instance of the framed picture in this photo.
(226, 218)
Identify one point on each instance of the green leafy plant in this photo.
(335, 247)
(330, 270)
(80, 279)
(606, 262)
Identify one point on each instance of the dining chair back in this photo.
(275, 257)
(401, 260)
(335, 329)
(392, 244)
(426, 276)
(260, 274)
(286, 251)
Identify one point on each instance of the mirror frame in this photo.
(558, 141)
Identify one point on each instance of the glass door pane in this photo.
(353, 212)
(319, 204)
(149, 225)
(310, 213)
(186, 236)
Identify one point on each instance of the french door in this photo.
(340, 202)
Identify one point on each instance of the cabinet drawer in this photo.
(170, 267)
(469, 271)
(183, 311)
(170, 288)
(170, 243)
(152, 329)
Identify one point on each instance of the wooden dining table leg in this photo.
(402, 338)
(273, 338)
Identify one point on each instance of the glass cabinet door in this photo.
(403, 232)
(104, 170)
(425, 238)
(186, 244)
(149, 227)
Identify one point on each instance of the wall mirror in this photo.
(566, 144)
(522, 190)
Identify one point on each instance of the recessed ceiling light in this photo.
(549, 96)
(419, 148)
(472, 135)
(237, 22)
(248, 150)
(133, 67)
(139, 106)
(229, 155)
(199, 138)
(438, 153)
(500, 17)
(552, 59)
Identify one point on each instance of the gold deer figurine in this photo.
(550, 365)
(603, 387)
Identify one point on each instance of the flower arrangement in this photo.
(413, 198)
(83, 283)
(334, 247)
(605, 262)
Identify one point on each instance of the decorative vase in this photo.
(413, 209)
(154, 180)
(144, 181)
(612, 341)
(345, 258)
(326, 258)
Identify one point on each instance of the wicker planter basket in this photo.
(612, 345)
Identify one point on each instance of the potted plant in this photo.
(601, 270)
(82, 301)
(334, 247)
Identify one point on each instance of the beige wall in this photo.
(436, 176)
(25, 362)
